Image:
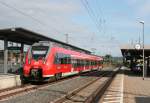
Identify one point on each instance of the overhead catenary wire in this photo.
(101, 16)
(103, 21)
(26, 15)
(91, 14)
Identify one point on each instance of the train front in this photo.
(36, 66)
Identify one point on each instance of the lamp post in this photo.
(142, 22)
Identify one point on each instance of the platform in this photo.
(136, 90)
(9, 80)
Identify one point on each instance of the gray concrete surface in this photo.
(54, 91)
(9, 80)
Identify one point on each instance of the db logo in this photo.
(36, 63)
(58, 67)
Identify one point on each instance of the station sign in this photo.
(14, 48)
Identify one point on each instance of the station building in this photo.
(133, 57)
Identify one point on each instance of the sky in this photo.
(115, 22)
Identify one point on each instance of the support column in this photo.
(123, 59)
(5, 55)
(145, 71)
(21, 54)
(131, 63)
(148, 66)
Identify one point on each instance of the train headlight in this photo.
(44, 61)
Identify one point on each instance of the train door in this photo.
(57, 63)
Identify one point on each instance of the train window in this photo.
(99, 62)
(74, 63)
(39, 52)
(78, 62)
(61, 58)
(68, 59)
(87, 63)
(61, 61)
(83, 62)
(90, 62)
(57, 59)
(64, 59)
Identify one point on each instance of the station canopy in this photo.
(130, 51)
(28, 37)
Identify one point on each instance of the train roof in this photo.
(78, 54)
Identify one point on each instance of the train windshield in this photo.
(39, 52)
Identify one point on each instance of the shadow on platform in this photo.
(135, 74)
(96, 73)
(142, 99)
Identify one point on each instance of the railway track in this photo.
(6, 93)
(89, 92)
(53, 92)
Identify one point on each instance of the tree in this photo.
(108, 58)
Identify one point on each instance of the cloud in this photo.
(141, 7)
(56, 17)
(144, 9)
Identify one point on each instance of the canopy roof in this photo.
(25, 36)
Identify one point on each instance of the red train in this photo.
(46, 59)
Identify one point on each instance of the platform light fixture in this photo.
(142, 22)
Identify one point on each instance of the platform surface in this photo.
(9, 80)
(136, 90)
